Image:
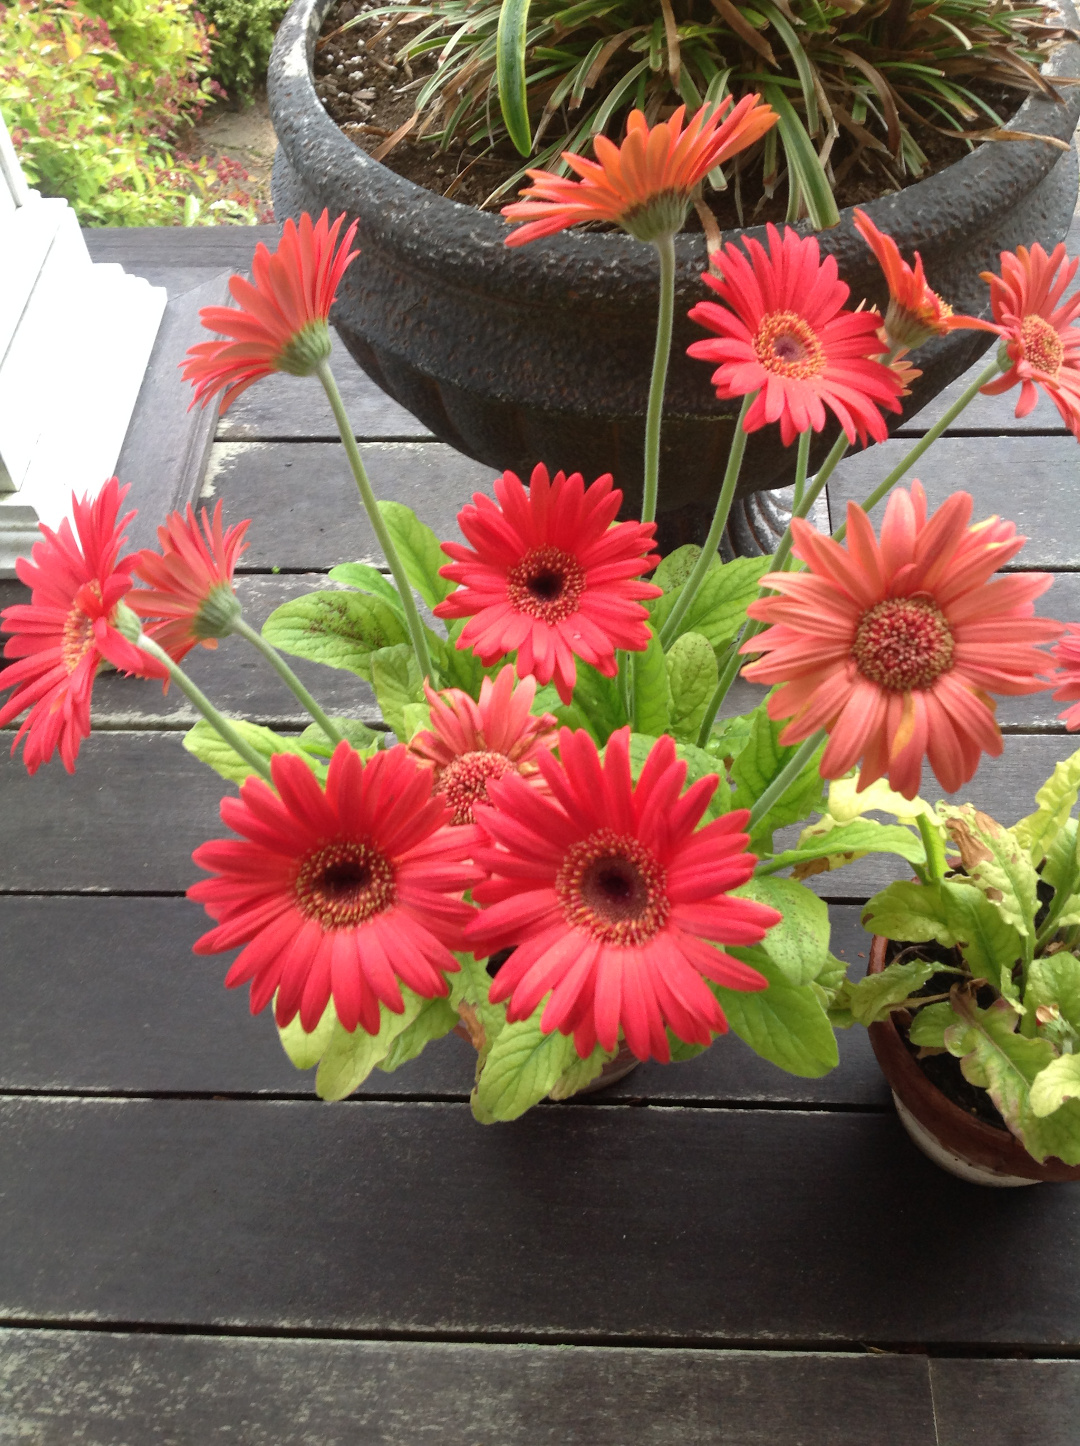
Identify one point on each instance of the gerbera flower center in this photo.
(546, 584)
(78, 635)
(614, 888)
(1043, 347)
(464, 781)
(903, 643)
(788, 345)
(343, 884)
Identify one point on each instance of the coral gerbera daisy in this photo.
(894, 646)
(783, 332)
(61, 637)
(549, 576)
(916, 313)
(470, 743)
(645, 184)
(281, 324)
(190, 582)
(1041, 339)
(338, 893)
(615, 899)
(1066, 677)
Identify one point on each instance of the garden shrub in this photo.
(94, 101)
(245, 35)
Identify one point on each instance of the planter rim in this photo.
(974, 1140)
(955, 202)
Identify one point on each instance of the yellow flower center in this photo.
(788, 345)
(78, 635)
(343, 884)
(903, 643)
(546, 584)
(464, 781)
(612, 886)
(1043, 347)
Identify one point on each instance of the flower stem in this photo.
(287, 676)
(198, 698)
(802, 508)
(986, 375)
(371, 507)
(720, 516)
(801, 463)
(665, 247)
(785, 778)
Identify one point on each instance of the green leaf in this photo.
(350, 1057)
(989, 943)
(470, 987)
(523, 1066)
(799, 945)
(994, 860)
(692, 676)
(1055, 980)
(799, 56)
(510, 67)
(651, 699)
(730, 736)
(830, 845)
(436, 1019)
(419, 549)
(364, 739)
(806, 168)
(580, 1073)
(681, 1051)
(1056, 800)
(395, 676)
(210, 748)
(927, 1029)
(458, 667)
(700, 764)
(785, 1023)
(340, 629)
(677, 566)
(758, 764)
(718, 610)
(1056, 1084)
(367, 579)
(597, 705)
(876, 996)
(1061, 867)
(910, 912)
(305, 1050)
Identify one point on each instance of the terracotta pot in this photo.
(543, 352)
(965, 1146)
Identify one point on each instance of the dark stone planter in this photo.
(542, 353)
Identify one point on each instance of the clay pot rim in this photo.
(970, 1138)
(939, 211)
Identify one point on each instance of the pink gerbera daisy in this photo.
(471, 743)
(281, 323)
(1041, 339)
(894, 646)
(549, 576)
(1066, 678)
(190, 582)
(61, 637)
(338, 892)
(783, 333)
(615, 899)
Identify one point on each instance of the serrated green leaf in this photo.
(994, 860)
(580, 1073)
(718, 610)
(210, 748)
(349, 1057)
(681, 1051)
(395, 676)
(652, 710)
(799, 945)
(692, 677)
(676, 567)
(339, 629)
(437, 1018)
(700, 765)
(989, 943)
(910, 912)
(470, 987)
(419, 549)
(305, 1050)
(1058, 1083)
(830, 845)
(875, 997)
(786, 1023)
(760, 761)
(927, 1029)
(523, 1066)
(597, 705)
(847, 801)
(1055, 980)
(1056, 800)
(364, 739)
(367, 579)
(458, 667)
(730, 736)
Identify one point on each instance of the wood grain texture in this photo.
(105, 996)
(218, 246)
(611, 1226)
(101, 1389)
(1006, 1403)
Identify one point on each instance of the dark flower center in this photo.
(343, 884)
(547, 584)
(903, 643)
(613, 887)
(1043, 347)
(464, 781)
(788, 346)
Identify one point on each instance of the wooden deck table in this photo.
(195, 1250)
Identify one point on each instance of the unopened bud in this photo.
(305, 350)
(127, 623)
(218, 614)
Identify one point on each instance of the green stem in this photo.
(665, 247)
(198, 698)
(367, 496)
(935, 849)
(785, 778)
(727, 677)
(986, 375)
(288, 677)
(708, 552)
(802, 510)
(801, 463)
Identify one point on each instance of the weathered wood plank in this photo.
(609, 1225)
(101, 1388)
(218, 246)
(105, 996)
(1006, 1403)
(1032, 481)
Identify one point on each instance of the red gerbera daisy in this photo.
(646, 183)
(281, 322)
(613, 901)
(915, 312)
(784, 333)
(1040, 338)
(471, 743)
(893, 646)
(338, 893)
(190, 582)
(1066, 678)
(69, 626)
(550, 577)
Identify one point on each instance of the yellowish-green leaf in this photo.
(1056, 800)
